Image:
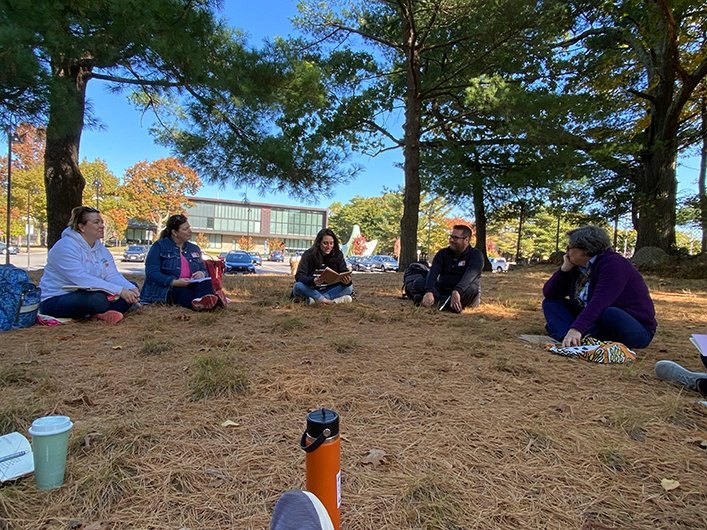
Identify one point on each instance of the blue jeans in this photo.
(183, 296)
(81, 304)
(614, 324)
(302, 290)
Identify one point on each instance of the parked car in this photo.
(222, 256)
(499, 265)
(257, 260)
(13, 248)
(277, 255)
(239, 261)
(135, 253)
(384, 263)
(361, 263)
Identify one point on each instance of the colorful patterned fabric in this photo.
(596, 351)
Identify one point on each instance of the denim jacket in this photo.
(163, 264)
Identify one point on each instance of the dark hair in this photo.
(327, 232)
(173, 223)
(592, 239)
(463, 228)
(78, 216)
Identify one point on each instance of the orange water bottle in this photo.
(322, 444)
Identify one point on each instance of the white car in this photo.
(498, 264)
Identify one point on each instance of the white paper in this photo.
(83, 288)
(700, 342)
(15, 456)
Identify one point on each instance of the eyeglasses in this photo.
(457, 238)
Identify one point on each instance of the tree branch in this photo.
(131, 81)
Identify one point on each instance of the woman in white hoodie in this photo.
(80, 279)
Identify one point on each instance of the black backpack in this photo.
(414, 272)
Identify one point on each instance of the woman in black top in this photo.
(309, 285)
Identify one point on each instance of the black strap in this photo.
(314, 445)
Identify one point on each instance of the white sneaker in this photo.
(346, 299)
(311, 301)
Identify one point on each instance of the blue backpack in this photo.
(19, 298)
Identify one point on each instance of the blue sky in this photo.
(122, 139)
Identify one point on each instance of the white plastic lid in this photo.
(49, 425)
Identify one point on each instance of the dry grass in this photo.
(481, 430)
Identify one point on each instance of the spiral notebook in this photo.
(16, 457)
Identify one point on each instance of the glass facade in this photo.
(224, 217)
(289, 222)
(227, 223)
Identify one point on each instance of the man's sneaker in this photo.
(109, 317)
(671, 371)
(205, 303)
(346, 299)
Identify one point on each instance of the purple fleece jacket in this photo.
(613, 282)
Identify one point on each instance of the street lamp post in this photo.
(9, 195)
(11, 137)
(97, 185)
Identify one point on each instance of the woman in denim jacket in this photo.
(175, 272)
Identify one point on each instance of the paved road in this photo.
(38, 258)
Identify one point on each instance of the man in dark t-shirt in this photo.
(455, 275)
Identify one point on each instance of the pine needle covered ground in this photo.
(478, 429)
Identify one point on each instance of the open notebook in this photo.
(16, 457)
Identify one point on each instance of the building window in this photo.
(210, 223)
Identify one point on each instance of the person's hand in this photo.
(456, 301)
(130, 296)
(198, 275)
(573, 338)
(180, 282)
(318, 280)
(346, 279)
(428, 300)
(567, 265)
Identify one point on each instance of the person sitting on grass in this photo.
(454, 279)
(324, 253)
(80, 278)
(597, 292)
(173, 268)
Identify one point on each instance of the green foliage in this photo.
(540, 236)
(378, 217)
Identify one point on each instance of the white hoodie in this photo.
(72, 262)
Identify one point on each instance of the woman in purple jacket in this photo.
(597, 292)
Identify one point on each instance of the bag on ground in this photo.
(417, 270)
(215, 269)
(19, 298)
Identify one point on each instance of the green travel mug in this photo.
(50, 442)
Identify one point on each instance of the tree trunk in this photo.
(477, 196)
(411, 147)
(521, 221)
(656, 195)
(701, 180)
(62, 177)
